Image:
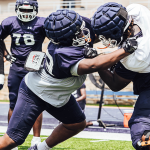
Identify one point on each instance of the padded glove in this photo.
(10, 58)
(90, 52)
(130, 45)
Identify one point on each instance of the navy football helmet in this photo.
(26, 9)
(66, 27)
(109, 22)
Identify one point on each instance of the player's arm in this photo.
(113, 80)
(103, 62)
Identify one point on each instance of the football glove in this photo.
(10, 58)
(90, 52)
(130, 45)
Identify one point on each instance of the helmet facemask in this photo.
(82, 36)
(26, 12)
(108, 42)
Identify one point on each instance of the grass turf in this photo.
(84, 144)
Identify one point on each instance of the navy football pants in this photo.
(140, 120)
(16, 74)
(29, 106)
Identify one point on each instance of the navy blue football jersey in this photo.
(60, 59)
(25, 36)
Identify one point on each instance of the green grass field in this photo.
(84, 144)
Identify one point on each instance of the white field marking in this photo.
(42, 123)
(99, 140)
(3, 121)
(49, 124)
(107, 128)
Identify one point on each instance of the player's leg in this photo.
(140, 120)
(6, 143)
(26, 111)
(36, 130)
(63, 132)
(13, 86)
(14, 79)
(73, 121)
(16, 75)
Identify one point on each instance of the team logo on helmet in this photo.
(66, 27)
(26, 9)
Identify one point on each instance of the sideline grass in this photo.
(84, 144)
(4, 100)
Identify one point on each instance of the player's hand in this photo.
(10, 58)
(90, 52)
(130, 45)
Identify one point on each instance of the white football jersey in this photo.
(139, 61)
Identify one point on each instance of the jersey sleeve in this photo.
(42, 20)
(83, 86)
(6, 27)
(74, 69)
(68, 57)
(124, 73)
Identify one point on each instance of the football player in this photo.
(27, 34)
(65, 68)
(114, 23)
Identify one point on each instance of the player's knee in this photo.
(76, 127)
(82, 125)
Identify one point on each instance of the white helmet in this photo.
(26, 9)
